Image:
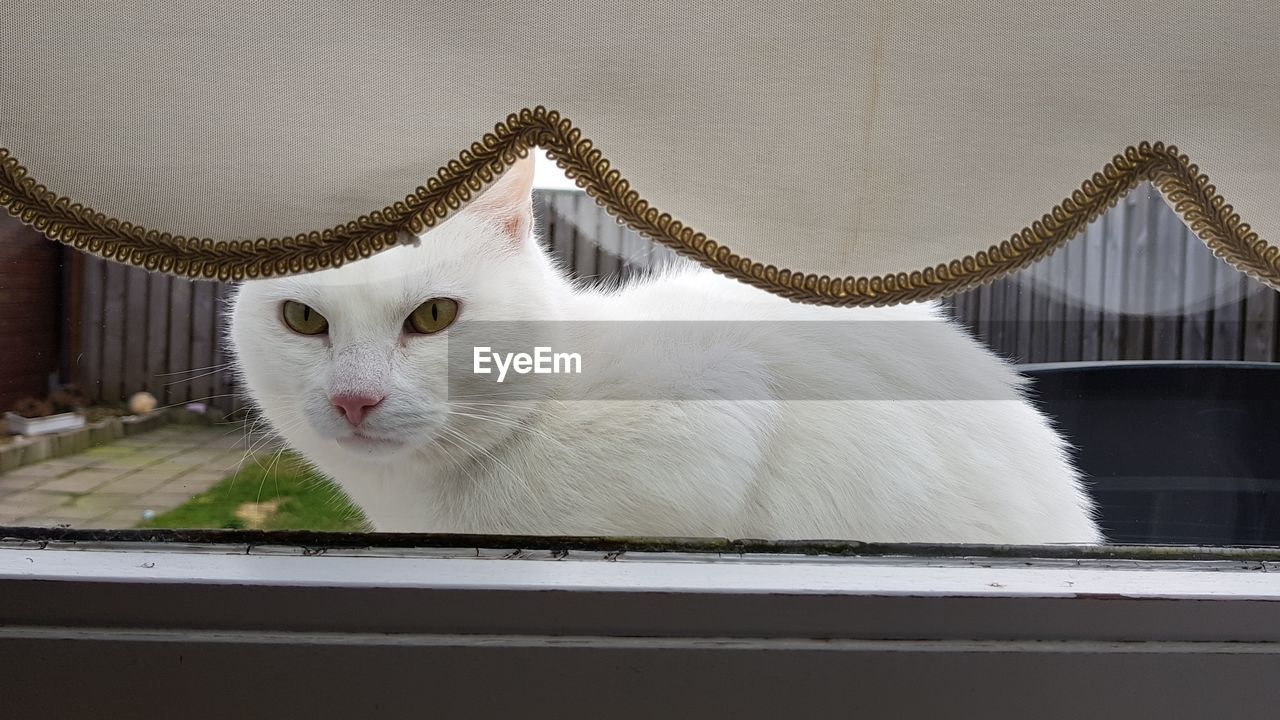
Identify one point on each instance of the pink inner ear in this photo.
(510, 199)
(517, 226)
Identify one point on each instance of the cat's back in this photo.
(819, 352)
(882, 423)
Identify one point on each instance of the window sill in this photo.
(494, 631)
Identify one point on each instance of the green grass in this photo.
(303, 499)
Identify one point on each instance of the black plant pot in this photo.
(1176, 452)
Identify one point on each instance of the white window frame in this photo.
(110, 629)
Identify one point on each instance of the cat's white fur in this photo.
(988, 470)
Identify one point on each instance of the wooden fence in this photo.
(590, 242)
(147, 331)
(1137, 286)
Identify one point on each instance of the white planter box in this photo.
(44, 425)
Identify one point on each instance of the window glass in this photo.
(360, 399)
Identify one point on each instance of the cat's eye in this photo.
(432, 316)
(304, 319)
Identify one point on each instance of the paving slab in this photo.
(111, 485)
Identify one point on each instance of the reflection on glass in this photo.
(126, 407)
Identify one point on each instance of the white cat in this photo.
(349, 366)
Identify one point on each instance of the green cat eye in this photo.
(302, 319)
(432, 316)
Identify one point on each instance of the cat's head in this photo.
(353, 361)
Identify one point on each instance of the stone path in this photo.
(113, 485)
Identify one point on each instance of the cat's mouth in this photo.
(368, 443)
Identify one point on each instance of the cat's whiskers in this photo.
(183, 403)
(481, 449)
(207, 373)
(541, 407)
(253, 450)
(274, 461)
(257, 420)
(449, 456)
(272, 433)
(504, 422)
(219, 366)
(504, 395)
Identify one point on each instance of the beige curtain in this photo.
(835, 152)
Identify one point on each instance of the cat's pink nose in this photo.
(355, 407)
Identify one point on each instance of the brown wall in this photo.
(29, 311)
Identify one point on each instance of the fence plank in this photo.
(233, 398)
(1012, 326)
(563, 236)
(1024, 280)
(549, 229)
(1168, 279)
(609, 240)
(635, 248)
(959, 308)
(613, 241)
(1056, 275)
(88, 364)
(177, 386)
(985, 312)
(1038, 288)
(999, 318)
(135, 331)
(113, 319)
(157, 360)
(586, 219)
(1139, 237)
(541, 218)
(1114, 274)
(1228, 312)
(219, 379)
(973, 307)
(1072, 301)
(955, 307)
(996, 314)
(1262, 323)
(1031, 336)
(202, 334)
(73, 336)
(1094, 298)
(1197, 298)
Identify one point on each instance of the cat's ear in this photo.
(510, 200)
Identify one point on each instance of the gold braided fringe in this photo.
(1185, 188)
